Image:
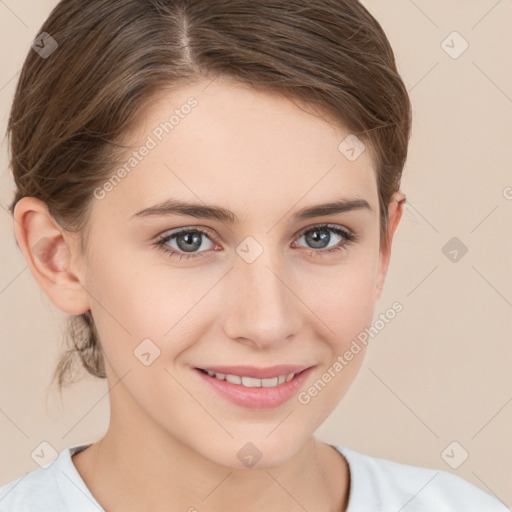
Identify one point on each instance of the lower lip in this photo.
(256, 398)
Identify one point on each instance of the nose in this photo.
(264, 309)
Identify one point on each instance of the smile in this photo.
(255, 388)
(251, 382)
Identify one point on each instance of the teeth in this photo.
(269, 383)
(234, 379)
(251, 382)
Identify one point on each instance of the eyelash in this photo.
(348, 238)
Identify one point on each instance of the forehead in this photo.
(223, 141)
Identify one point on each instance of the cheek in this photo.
(133, 302)
(344, 298)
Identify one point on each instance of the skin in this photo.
(172, 442)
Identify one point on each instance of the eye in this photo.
(187, 241)
(319, 238)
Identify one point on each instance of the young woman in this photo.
(210, 190)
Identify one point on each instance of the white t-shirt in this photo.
(377, 485)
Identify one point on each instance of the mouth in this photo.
(253, 387)
(250, 382)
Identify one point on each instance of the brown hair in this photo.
(71, 109)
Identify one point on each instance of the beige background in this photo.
(440, 371)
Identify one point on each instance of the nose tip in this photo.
(264, 310)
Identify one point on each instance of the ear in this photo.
(48, 248)
(395, 210)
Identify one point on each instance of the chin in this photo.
(261, 453)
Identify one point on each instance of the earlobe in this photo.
(47, 251)
(395, 211)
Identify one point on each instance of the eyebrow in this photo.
(201, 211)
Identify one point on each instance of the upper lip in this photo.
(255, 372)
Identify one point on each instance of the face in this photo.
(258, 294)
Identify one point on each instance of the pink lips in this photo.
(260, 397)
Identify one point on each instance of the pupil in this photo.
(319, 238)
(192, 241)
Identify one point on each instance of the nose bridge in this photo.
(263, 309)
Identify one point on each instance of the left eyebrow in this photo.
(201, 211)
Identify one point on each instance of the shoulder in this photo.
(50, 488)
(35, 490)
(381, 484)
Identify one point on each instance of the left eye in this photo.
(319, 236)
